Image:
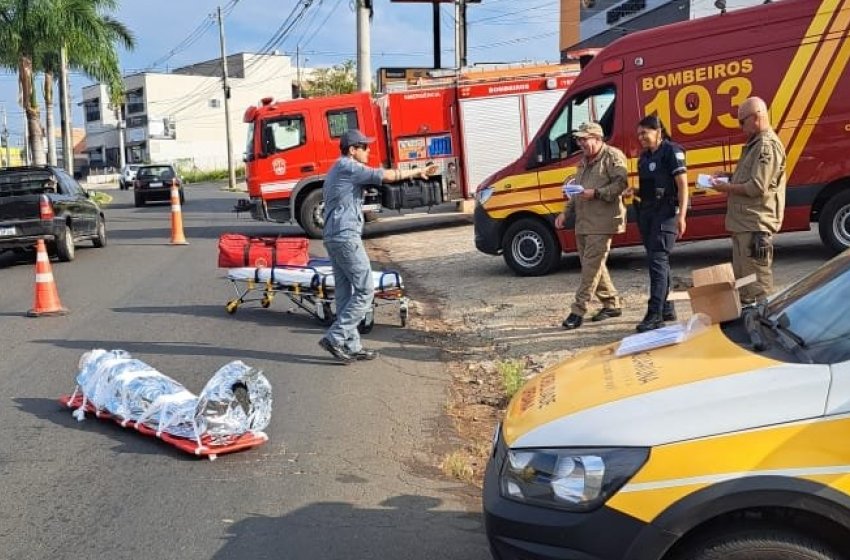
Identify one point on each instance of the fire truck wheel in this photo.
(310, 214)
(834, 222)
(530, 248)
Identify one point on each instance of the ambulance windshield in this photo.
(815, 310)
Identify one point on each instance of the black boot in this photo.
(572, 321)
(651, 321)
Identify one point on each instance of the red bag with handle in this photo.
(238, 249)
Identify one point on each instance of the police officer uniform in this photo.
(596, 222)
(753, 218)
(657, 216)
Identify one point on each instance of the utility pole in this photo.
(457, 35)
(231, 172)
(298, 69)
(119, 115)
(65, 112)
(436, 12)
(364, 70)
(5, 136)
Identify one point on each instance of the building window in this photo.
(624, 10)
(92, 107)
(341, 121)
(136, 101)
(138, 121)
(215, 103)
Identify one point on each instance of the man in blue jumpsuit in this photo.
(343, 213)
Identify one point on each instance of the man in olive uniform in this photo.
(599, 214)
(756, 200)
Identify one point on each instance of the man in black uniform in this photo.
(661, 213)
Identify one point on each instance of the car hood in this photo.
(704, 386)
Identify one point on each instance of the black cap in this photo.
(353, 137)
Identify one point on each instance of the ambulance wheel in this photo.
(404, 315)
(758, 544)
(310, 214)
(231, 307)
(530, 248)
(834, 222)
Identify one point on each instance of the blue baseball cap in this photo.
(353, 137)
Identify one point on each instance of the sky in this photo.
(174, 33)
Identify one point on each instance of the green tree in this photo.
(331, 81)
(31, 34)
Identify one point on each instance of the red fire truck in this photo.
(469, 127)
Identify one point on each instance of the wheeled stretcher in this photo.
(311, 288)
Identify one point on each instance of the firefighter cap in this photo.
(589, 129)
(353, 137)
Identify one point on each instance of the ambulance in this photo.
(731, 445)
(694, 75)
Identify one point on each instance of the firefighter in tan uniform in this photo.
(756, 200)
(599, 214)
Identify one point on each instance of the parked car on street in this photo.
(154, 182)
(128, 174)
(729, 445)
(44, 202)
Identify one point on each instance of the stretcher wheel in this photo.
(327, 314)
(368, 322)
(266, 302)
(403, 315)
(231, 306)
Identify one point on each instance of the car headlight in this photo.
(570, 479)
(483, 195)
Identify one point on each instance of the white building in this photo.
(179, 117)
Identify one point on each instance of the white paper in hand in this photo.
(704, 180)
(571, 189)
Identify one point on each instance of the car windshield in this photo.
(814, 310)
(161, 172)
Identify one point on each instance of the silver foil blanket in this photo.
(235, 401)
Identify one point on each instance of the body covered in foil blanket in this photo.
(235, 401)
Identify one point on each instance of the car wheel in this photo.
(834, 222)
(530, 248)
(182, 198)
(65, 245)
(100, 238)
(139, 200)
(758, 544)
(310, 214)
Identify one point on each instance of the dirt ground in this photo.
(481, 314)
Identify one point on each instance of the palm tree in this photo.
(33, 31)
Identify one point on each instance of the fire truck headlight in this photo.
(483, 194)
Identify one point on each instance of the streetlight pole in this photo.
(364, 69)
(231, 172)
(5, 137)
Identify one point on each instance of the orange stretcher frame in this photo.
(206, 449)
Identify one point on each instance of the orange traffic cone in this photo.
(177, 237)
(46, 297)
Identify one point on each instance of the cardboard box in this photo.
(715, 292)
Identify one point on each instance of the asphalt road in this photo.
(344, 475)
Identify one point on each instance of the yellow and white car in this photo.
(732, 445)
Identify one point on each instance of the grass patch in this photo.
(511, 372)
(456, 465)
(198, 176)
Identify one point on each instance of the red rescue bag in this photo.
(237, 250)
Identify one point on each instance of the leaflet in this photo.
(704, 180)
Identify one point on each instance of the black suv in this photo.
(154, 182)
(44, 202)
